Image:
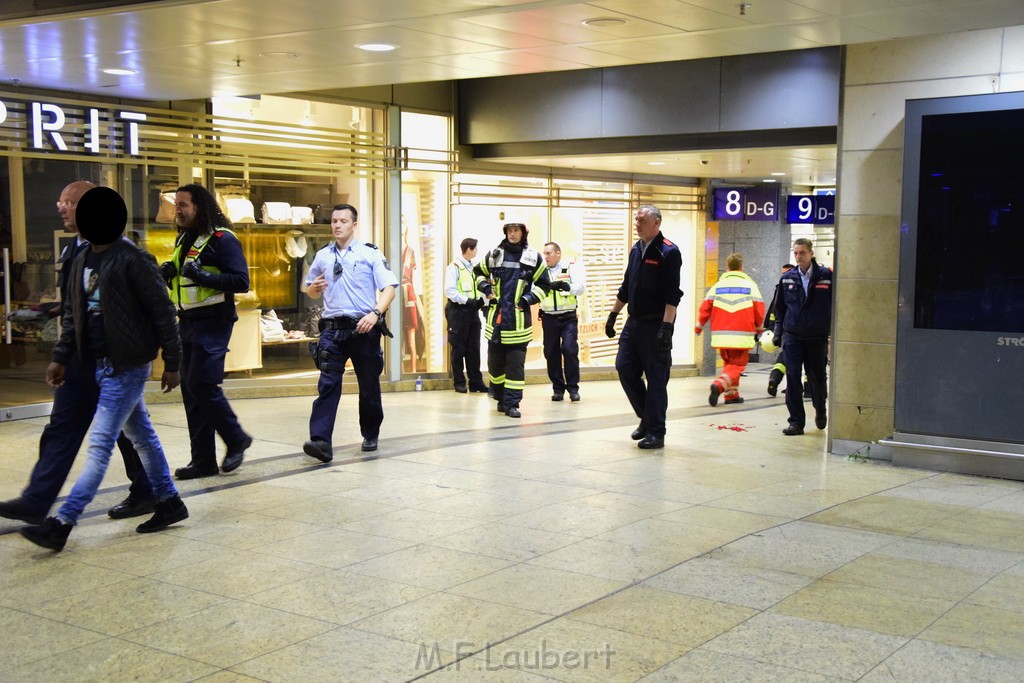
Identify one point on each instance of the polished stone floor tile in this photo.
(454, 623)
(333, 548)
(572, 520)
(518, 586)
(718, 518)
(429, 566)
(228, 633)
(663, 615)
(958, 490)
(506, 542)
(30, 638)
(610, 560)
(701, 666)
(1005, 591)
(985, 629)
(112, 659)
(401, 493)
(911, 577)
(411, 524)
(920, 660)
(239, 573)
(45, 577)
(328, 511)
(146, 554)
(887, 514)
(126, 606)
(567, 650)
(341, 654)
(478, 505)
(340, 597)
(980, 528)
(815, 646)
(245, 531)
(687, 541)
(729, 582)
(989, 561)
(865, 607)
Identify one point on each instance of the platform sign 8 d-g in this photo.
(746, 204)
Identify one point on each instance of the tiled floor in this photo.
(475, 546)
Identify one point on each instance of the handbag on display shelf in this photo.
(165, 211)
(247, 301)
(302, 215)
(239, 209)
(271, 327)
(277, 213)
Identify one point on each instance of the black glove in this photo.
(192, 271)
(168, 270)
(560, 285)
(609, 326)
(757, 337)
(525, 302)
(664, 337)
(481, 302)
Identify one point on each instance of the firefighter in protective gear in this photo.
(736, 310)
(509, 276)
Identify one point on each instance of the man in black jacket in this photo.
(118, 314)
(206, 270)
(650, 288)
(74, 403)
(803, 314)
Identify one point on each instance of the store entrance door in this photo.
(31, 237)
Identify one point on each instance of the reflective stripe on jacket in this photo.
(185, 293)
(556, 301)
(736, 310)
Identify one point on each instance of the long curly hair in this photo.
(208, 214)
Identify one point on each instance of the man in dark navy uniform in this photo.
(650, 289)
(803, 321)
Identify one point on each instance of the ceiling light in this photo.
(769, 180)
(655, 163)
(603, 22)
(280, 55)
(114, 71)
(377, 47)
(778, 173)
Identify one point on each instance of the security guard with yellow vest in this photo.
(736, 311)
(462, 312)
(206, 269)
(508, 276)
(560, 323)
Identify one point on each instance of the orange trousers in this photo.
(734, 362)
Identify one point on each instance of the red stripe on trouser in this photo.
(734, 361)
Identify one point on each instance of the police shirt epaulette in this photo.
(371, 245)
(667, 242)
(218, 233)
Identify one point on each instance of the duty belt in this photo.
(342, 323)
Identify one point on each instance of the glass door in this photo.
(31, 237)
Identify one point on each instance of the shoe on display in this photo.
(319, 449)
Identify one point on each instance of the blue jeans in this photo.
(120, 407)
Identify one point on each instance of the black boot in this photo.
(166, 513)
(52, 533)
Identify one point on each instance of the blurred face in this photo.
(470, 254)
(802, 255)
(68, 203)
(514, 235)
(185, 210)
(343, 226)
(551, 256)
(646, 225)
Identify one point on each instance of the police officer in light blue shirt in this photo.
(357, 286)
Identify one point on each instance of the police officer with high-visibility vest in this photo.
(736, 311)
(206, 270)
(560, 322)
(462, 312)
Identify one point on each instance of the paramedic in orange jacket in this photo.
(736, 310)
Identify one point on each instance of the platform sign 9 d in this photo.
(806, 208)
(746, 203)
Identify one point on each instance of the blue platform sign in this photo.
(818, 209)
(746, 203)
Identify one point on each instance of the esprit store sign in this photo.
(48, 126)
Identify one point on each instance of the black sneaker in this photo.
(52, 534)
(319, 449)
(196, 471)
(234, 456)
(132, 506)
(16, 508)
(713, 396)
(166, 513)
